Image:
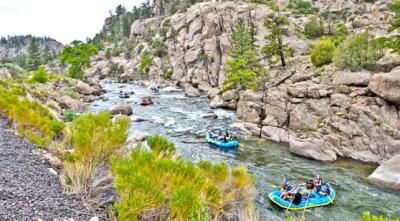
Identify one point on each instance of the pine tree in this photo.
(242, 39)
(46, 55)
(34, 59)
(242, 68)
(120, 10)
(394, 42)
(277, 25)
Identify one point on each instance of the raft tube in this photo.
(221, 143)
(315, 200)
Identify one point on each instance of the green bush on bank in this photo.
(94, 138)
(34, 121)
(159, 184)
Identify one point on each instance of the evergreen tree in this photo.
(46, 55)
(120, 10)
(126, 24)
(242, 68)
(277, 25)
(394, 42)
(242, 39)
(34, 59)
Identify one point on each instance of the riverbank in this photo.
(180, 118)
(30, 188)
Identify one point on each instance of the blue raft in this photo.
(315, 200)
(220, 143)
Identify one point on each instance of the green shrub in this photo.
(158, 48)
(39, 76)
(341, 33)
(69, 115)
(148, 181)
(322, 52)
(304, 7)
(360, 51)
(145, 62)
(368, 217)
(94, 137)
(314, 28)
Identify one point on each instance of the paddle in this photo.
(305, 208)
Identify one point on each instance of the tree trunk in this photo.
(280, 51)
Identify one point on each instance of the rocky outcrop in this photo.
(14, 46)
(388, 174)
(86, 89)
(352, 78)
(323, 117)
(387, 85)
(122, 108)
(67, 102)
(312, 148)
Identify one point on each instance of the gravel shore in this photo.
(28, 190)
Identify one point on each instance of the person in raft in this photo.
(292, 195)
(318, 183)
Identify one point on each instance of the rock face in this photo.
(67, 102)
(388, 174)
(13, 46)
(326, 117)
(86, 89)
(352, 78)
(387, 85)
(122, 108)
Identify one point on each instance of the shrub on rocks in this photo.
(358, 52)
(314, 28)
(39, 76)
(157, 184)
(322, 52)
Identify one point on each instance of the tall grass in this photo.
(33, 120)
(161, 185)
(94, 138)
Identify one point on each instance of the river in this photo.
(180, 119)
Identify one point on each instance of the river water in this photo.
(180, 119)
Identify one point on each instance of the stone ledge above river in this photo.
(388, 174)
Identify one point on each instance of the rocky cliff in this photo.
(322, 113)
(13, 46)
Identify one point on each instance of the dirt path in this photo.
(28, 190)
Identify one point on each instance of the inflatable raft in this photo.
(315, 200)
(221, 143)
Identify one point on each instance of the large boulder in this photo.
(275, 134)
(250, 107)
(360, 78)
(122, 108)
(388, 174)
(311, 148)
(191, 91)
(230, 95)
(86, 89)
(387, 85)
(67, 102)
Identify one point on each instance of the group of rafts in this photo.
(313, 193)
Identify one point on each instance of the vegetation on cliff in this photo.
(243, 69)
